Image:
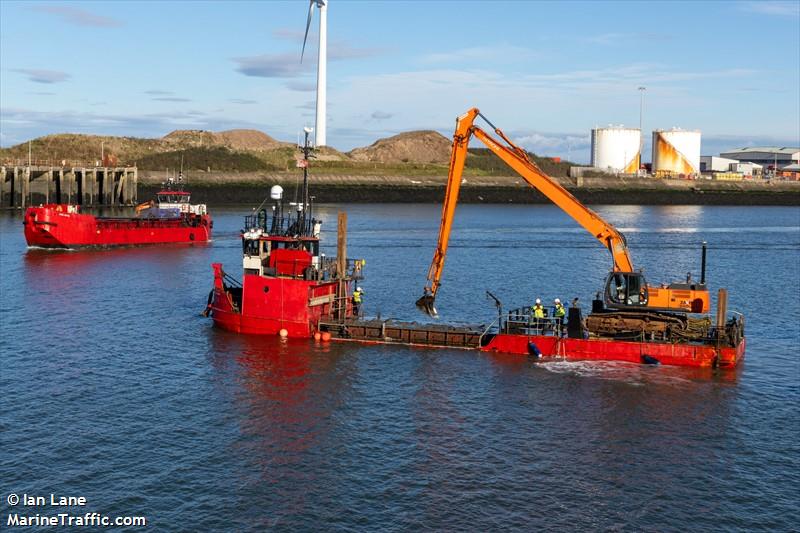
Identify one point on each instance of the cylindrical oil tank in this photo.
(676, 151)
(616, 149)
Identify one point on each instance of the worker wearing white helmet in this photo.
(559, 313)
(357, 297)
(538, 310)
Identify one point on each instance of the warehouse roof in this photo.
(769, 149)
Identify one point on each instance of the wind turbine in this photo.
(322, 65)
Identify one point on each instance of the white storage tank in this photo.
(676, 151)
(616, 149)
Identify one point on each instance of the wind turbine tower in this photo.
(322, 66)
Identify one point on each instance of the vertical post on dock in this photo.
(135, 186)
(48, 185)
(26, 188)
(722, 308)
(341, 246)
(341, 263)
(3, 179)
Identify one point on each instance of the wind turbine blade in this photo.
(308, 25)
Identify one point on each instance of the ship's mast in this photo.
(304, 207)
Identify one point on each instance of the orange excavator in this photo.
(627, 296)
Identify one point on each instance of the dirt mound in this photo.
(248, 140)
(186, 138)
(410, 147)
(328, 153)
(244, 140)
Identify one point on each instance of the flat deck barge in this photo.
(720, 346)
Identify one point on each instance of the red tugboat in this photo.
(287, 283)
(169, 218)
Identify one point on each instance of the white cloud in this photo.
(545, 143)
(764, 7)
(500, 53)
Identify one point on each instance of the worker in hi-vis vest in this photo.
(538, 314)
(559, 312)
(357, 297)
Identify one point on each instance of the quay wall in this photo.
(245, 188)
(25, 185)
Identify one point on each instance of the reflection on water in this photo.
(115, 388)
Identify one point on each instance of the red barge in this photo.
(169, 218)
(289, 288)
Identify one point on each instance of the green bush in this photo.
(216, 159)
(485, 160)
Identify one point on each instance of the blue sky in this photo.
(545, 73)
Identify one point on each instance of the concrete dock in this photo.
(23, 185)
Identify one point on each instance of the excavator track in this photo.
(647, 324)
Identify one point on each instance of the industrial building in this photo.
(616, 149)
(791, 172)
(767, 156)
(712, 163)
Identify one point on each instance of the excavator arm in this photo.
(517, 159)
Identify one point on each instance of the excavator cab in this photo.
(629, 290)
(626, 289)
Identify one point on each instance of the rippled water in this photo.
(114, 388)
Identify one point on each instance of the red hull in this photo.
(266, 305)
(269, 304)
(52, 226)
(693, 355)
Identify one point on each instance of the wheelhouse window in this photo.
(250, 246)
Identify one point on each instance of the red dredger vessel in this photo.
(290, 288)
(287, 283)
(169, 218)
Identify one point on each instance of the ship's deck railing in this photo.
(286, 225)
(521, 320)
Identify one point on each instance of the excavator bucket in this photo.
(426, 304)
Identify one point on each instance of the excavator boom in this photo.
(517, 159)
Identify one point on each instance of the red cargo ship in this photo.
(169, 218)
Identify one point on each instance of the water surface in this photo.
(114, 388)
